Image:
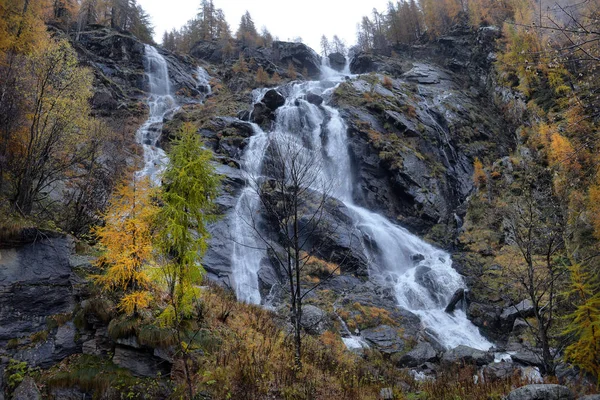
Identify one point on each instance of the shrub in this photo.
(387, 82)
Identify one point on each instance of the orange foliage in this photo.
(127, 240)
(562, 154)
(479, 176)
(387, 82)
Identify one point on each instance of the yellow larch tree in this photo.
(127, 241)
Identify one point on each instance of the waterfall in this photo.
(422, 275)
(161, 104)
(247, 247)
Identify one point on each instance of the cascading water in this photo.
(160, 103)
(422, 275)
(247, 247)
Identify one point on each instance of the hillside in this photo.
(244, 218)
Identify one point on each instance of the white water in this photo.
(161, 104)
(248, 249)
(389, 247)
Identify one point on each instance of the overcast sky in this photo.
(286, 19)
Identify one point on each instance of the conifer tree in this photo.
(585, 322)
(262, 77)
(325, 46)
(291, 71)
(126, 237)
(190, 185)
(275, 79)
(189, 189)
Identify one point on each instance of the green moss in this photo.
(39, 337)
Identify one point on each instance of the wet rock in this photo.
(244, 115)
(261, 114)
(27, 390)
(422, 353)
(590, 397)
(385, 338)
(314, 99)
(140, 362)
(417, 258)
(424, 276)
(36, 282)
(402, 123)
(337, 61)
(457, 297)
(314, 320)
(273, 99)
(467, 355)
(541, 392)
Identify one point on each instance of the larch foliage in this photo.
(479, 177)
(262, 77)
(190, 185)
(291, 71)
(275, 79)
(585, 322)
(126, 238)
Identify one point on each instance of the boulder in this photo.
(484, 316)
(498, 371)
(457, 297)
(261, 114)
(64, 341)
(337, 61)
(314, 320)
(140, 362)
(424, 276)
(524, 309)
(385, 338)
(422, 353)
(541, 392)
(273, 99)
(467, 355)
(531, 357)
(314, 99)
(27, 390)
(299, 55)
(519, 327)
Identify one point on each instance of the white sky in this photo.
(286, 19)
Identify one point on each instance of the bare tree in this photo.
(294, 200)
(535, 229)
